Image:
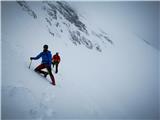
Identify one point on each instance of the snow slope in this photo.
(117, 81)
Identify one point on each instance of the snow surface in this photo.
(121, 82)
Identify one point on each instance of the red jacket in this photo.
(56, 58)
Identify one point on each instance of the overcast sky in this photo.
(140, 18)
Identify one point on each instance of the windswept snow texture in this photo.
(105, 73)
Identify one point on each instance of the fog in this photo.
(138, 17)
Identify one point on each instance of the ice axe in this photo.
(30, 64)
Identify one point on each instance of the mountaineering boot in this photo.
(53, 83)
(45, 74)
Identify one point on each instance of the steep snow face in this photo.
(116, 78)
(60, 19)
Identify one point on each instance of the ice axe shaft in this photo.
(30, 64)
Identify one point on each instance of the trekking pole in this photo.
(30, 64)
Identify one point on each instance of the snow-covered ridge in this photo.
(61, 18)
(26, 8)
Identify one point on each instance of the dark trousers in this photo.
(55, 63)
(42, 66)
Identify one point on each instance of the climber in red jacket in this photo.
(55, 61)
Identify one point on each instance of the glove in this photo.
(31, 58)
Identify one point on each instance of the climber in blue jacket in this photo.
(46, 63)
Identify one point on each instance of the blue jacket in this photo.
(46, 57)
